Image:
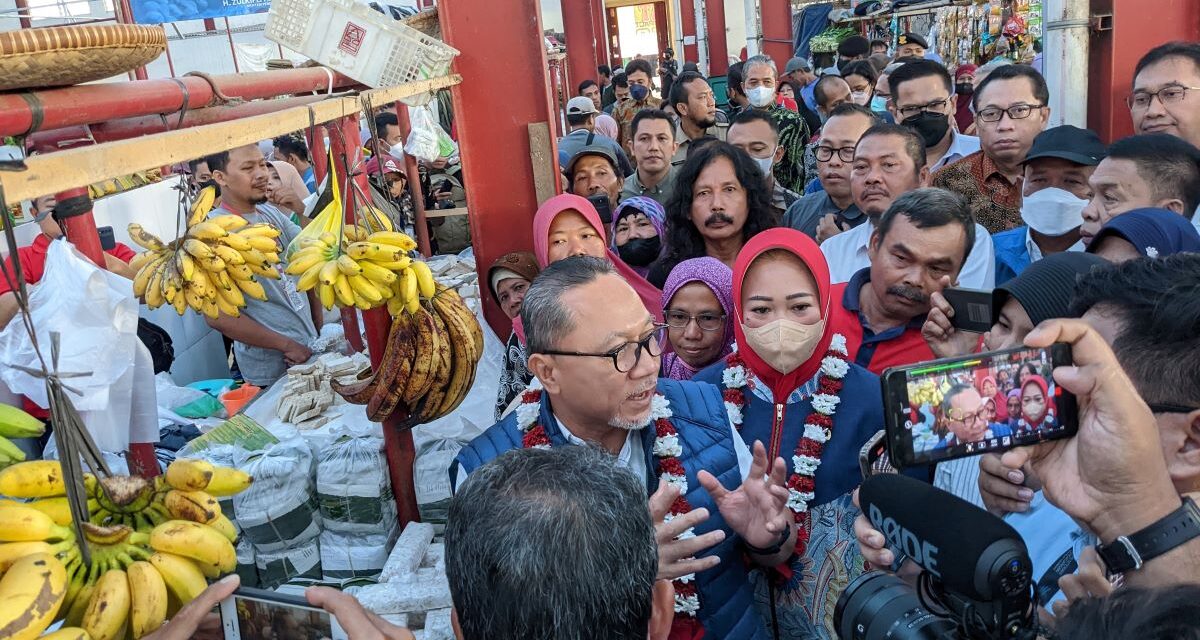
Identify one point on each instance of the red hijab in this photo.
(795, 242)
(1040, 382)
(546, 214)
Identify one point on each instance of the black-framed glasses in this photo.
(626, 356)
(706, 321)
(1169, 407)
(912, 110)
(825, 153)
(1015, 112)
(1169, 94)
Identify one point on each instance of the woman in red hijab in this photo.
(790, 384)
(1037, 410)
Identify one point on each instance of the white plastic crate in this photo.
(358, 41)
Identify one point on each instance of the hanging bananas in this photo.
(211, 268)
(149, 540)
(359, 269)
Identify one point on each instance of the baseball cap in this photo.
(854, 46)
(580, 106)
(1081, 146)
(593, 150)
(911, 38)
(796, 64)
(390, 165)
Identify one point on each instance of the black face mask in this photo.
(932, 127)
(640, 252)
(964, 88)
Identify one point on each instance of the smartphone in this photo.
(873, 458)
(949, 408)
(108, 241)
(972, 309)
(255, 614)
(600, 201)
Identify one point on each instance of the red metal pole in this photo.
(420, 222)
(345, 157)
(398, 444)
(582, 57)
(776, 26)
(599, 28)
(687, 26)
(23, 11)
(502, 202)
(94, 103)
(718, 50)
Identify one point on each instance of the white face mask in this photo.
(860, 97)
(397, 150)
(761, 96)
(766, 163)
(1052, 211)
(784, 344)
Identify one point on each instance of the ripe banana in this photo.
(181, 576)
(212, 552)
(58, 509)
(196, 506)
(227, 481)
(425, 282)
(148, 596)
(401, 240)
(207, 230)
(144, 238)
(428, 345)
(15, 423)
(189, 474)
(67, 633)
(33, 479)
(31, 594)
(202, 205)
(108, 609)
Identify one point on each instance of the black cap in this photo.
(1045, 288)
(1081, 146)
(854, 46)
(912, 38)
(594, 150)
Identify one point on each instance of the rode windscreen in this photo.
(959, 543)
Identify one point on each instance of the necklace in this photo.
(818, 426)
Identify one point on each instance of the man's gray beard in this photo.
(628, 425)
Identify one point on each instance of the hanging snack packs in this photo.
(354, 489)
(279, 510)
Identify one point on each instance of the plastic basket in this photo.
(358, 41)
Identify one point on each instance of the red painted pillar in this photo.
(578, 18)
(776, 23)
(687, 26)
(718, 50)
(599, 17)
(1114, 54)
(497, 167)
(343, 157)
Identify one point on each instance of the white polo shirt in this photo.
(846, 254)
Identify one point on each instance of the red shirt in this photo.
(33, 260)
(874, 351)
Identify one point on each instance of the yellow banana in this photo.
(194, 296)
(148, 598)
(424, 279)
(207, 230)
(326, 295)
(401, 240)
(222, 280)
(142, 258)
(227, 481)
(409, 285)
(252, 289)
(261, 243)
(260, 230)
(304, 261)
(364, 288)
(67, 633)
(203, 204)
(183, 579)
(229, 222)
(348, 265)
(189, 474)
(225, 527)
(33, 479)
(328, 239)
(31, 594)
(395, 265)
(211, 550)
(265, 271)
(211, 309)
(197, 248)
(141, 281)
(57, 508)
(213, 263)
(228, 254)
(196, 506)
(108, 609)
(144, 238)
(376, 273)
(231, 295)
(223, 306)
(12, 551)
(239, 271)
(329, 273)
(311, 277)
(341, 289)
(254, 257)
(187, 266)
(374, 251)
(235, 241)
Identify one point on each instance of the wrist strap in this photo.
(1129, 553)
(773, 549)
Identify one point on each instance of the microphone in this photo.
(972, 552)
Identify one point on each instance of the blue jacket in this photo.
(726, 595)
(1012, 257)
(858, 416)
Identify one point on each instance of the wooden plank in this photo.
(62, 170)
(445, 213)
(543, 160)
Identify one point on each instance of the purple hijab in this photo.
(653, 211)
(719, 279)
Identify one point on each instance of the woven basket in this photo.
(59, 56)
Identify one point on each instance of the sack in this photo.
(345, 556)
(278, 567)
(354, 488)
(158, 341)
(279, 510)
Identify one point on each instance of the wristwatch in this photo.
(1129, 553)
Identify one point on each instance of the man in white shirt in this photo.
(889, 161)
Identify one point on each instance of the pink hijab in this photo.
(290, 179)
(650, 295)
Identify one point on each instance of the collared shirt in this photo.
(624, 112)
(1016, 250)
(874, 351)
(995, 201)
(717, 131)
(807, 93)
(805, 214)
(1054, 541)
(310, 180)
(961, 146)
(846, 253)
(659, 192)
(961, 478)
(781, 199)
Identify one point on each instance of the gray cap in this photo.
(594, 150)
(580, 106)
(796, 64)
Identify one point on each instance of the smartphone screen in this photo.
(251, 614)
(957, 407)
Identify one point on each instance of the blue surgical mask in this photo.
(638, 92)
(879, 103)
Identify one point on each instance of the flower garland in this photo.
(666, 448)
(817, 427)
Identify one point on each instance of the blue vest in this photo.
(726, 595)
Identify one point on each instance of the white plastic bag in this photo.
(424, 140)
(354, 487)
(279, 510)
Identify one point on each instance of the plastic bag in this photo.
(347, 555)
(279, 509)
(425, 138)
(431, 475)
(354, 488)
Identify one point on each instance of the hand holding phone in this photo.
(972, 308)
(940, 333)
(256, 614)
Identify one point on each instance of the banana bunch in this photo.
(15, 423)
(137, 574)
(428, 364)
(925, 392)
(363, 269)
(211, 268)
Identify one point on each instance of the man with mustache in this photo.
(596, 350)
(918, 248)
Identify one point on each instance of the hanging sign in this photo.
(160, 11)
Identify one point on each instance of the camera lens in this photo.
(880, 605)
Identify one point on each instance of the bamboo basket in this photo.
(61, 56)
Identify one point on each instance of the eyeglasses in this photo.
(706, 321)
(1167, 95)
(626, 356)
(912, 110)
(1015, 112)
(825, 153)
(968, 418)
(1167, 407)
